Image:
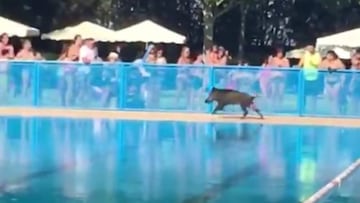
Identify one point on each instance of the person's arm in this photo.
(179, 61)
(270, 61)
(301, 62)
(62, 57)
(10, 54)
(19, 55)
(286, 63)
(340, 65)
(73, 53)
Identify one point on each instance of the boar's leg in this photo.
(218, 107)
(254, 108)
(244, 109)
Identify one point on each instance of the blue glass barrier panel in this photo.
(17, 83)
(77, 85)
(171, 87)
(333, 94)
(165, 87)
(276, 89)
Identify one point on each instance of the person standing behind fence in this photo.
(6, 49)
(157, 76)
(278, 78)
(221, 59)
(354, 83)
(6, 53)
(104, 84)
(182, 80)
(333, 81)
(74, 49)
(66, 78)
(149, 85)
(26, 53)
(87, 55)
(313, 82)
(197, 75)
(264, 76)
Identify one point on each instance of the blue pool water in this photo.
(106, 161)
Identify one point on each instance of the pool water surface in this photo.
(108, 161)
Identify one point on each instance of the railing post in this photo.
(121, 86)
(36, 84)
(301, 93)
(211, 84)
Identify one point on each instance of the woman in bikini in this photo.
(6, 53)
(104, 84)
(264, 80)
(157, 76)
(277, 78)
(197, 73)
(354, 84)
(182, 77)
(6, 49)
(333, 81)
(242, 78)
(66, 78)
(221, 60)
(74, 49)
(26, 53)
(150, 86)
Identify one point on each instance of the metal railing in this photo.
(146, 87)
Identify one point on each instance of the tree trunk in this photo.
(209, 21)
(244, 11)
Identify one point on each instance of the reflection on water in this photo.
(133, 161)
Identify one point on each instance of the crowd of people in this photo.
(77, 82)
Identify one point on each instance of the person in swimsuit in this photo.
(242, 79)
(104, 84)
(333, 80)
(66, 78)
(74, 49)
(6, 53)
(197, 74)
(277, 78)
(157, 77)
(182, 80)
(87, 55)
(214, 55)
(222, 57)
(264, 80)
(151, 85)
(221, 60)
(26, 53)
(354, 83)
(6, 49)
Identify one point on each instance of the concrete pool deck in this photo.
(175, 116)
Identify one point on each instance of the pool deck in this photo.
(173, 116)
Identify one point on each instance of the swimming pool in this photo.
(65, 160)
